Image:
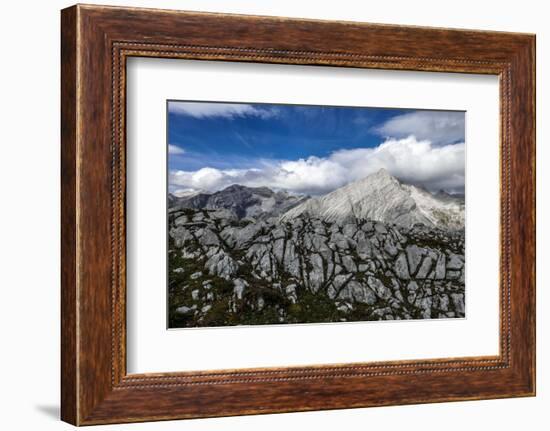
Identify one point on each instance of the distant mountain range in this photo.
(241, 201)
(379, 197)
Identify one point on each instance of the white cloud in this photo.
(412, 161)
(439, 127)
(183, 192)
(222, 110)
(175, 150)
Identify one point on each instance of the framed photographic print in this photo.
(268, 215)
(289, 214)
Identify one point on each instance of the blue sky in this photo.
(309, 149)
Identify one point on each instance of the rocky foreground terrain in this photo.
(232, 266)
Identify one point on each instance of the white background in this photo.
(151, 348)
(29, 228)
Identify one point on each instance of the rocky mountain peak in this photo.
(382, 174)
(380, 180)
(382, 197)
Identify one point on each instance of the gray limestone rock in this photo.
(380, 288)
(455, 261)
(425, 268)
(401, 267)
(440, 267)
(349, 264)
(389, 271)
(196, 275)
(358, 292)
(414, 257)
(290, 291)
(239, 287)
(458, 302)
(209, 238)
(248, 233)
(222, 265)
(186, 310)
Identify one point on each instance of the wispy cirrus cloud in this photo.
(175, 150)
(221, 110)
(438, 127)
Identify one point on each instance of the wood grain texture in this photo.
(69, 397)
(96, 41)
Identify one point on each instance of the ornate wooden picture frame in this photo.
(96, 41)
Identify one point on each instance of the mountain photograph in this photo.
(292, 214)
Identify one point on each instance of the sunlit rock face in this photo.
(382, 197)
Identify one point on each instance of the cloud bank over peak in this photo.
(412, 160)
(439, 127)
